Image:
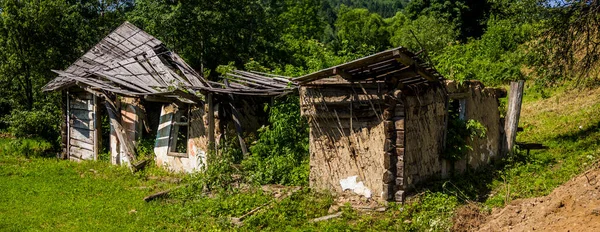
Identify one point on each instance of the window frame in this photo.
(175, 124)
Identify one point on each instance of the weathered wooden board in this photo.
(82, 104)
(82, 114)
(81, 153)
(81, 144)
(84, 135)
(80, 95)
(83, 124)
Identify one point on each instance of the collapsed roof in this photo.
(131, 62)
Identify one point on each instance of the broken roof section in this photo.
(398, 63)
(129, 61)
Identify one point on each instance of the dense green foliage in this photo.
(488, 40)
(280, 154)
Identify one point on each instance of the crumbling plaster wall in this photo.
(481, 104)
(347, 138)
(197, 146)
(426, 128)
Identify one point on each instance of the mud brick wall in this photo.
(347, 137)
(425, 128)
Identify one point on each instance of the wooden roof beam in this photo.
(409, 61)
(340, 72)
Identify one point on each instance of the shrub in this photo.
(42, 123)
(496, 58)
(280, 155)
(28, 147)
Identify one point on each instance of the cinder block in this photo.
(388, 125)
(387, 160)
(399, 170)
(388, 192)
(390, 134)
(400, 139)
(389, 145)
(400, 181)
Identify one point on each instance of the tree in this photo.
(469, 16)
(35, 36)
(361, 31)
(569, 46)
(433, 34)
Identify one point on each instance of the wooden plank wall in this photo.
(82, 125)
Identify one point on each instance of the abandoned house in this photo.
(378, 125)
(134, 83)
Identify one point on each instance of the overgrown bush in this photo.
(280, 155)
(28, 147)
(496, 58)
(216, 175)
(43, 123)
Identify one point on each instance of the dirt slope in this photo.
(574, 206)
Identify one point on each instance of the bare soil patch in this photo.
(574, 206)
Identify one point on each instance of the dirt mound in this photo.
(574, 206)
(468, 218)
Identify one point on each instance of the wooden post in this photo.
(211, 122)
(68, 141)
(64, 125)
(236, 121)
(96, 127)
(515, 99)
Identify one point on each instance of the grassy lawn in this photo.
(49, 194)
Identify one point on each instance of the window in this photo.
(180, 132)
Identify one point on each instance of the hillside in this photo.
(574, 206)
(555, 189)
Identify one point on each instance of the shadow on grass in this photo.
(476, 185)
(574, 136)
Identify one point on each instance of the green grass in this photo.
(56, 195)
(568, 122)
(47, 194)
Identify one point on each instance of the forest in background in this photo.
(495, 41)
